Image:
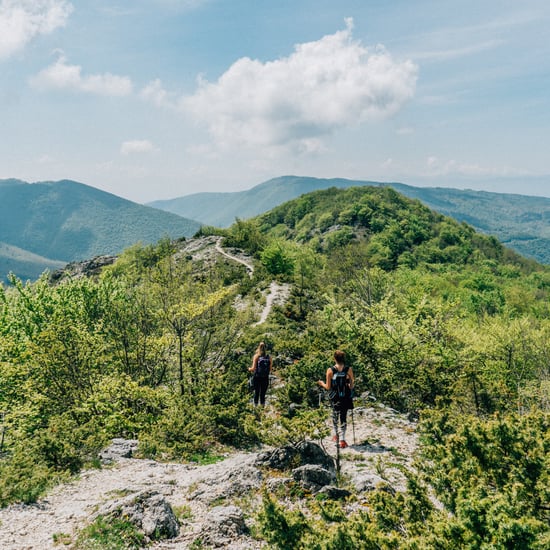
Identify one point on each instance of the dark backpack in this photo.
(262, 367)
(339, 387)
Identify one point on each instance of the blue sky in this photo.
(155, 99)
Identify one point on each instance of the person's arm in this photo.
(270, 364)
(351, 378)
(254, 363)
(326, 385)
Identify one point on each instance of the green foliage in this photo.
(23, 478)
(492, 475)
(277, 258)
(245, 234)
(287, 428)
(279, 527)
(107, 533)
(398, 231)
(402, 520)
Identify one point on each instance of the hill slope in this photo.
(65, 221)
(24, 263)
(520, 222)
(393, 229)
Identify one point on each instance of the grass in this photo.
(62, 538)
(182, 512)
(110, 534)
(206, 458)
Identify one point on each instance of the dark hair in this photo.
(339, 356)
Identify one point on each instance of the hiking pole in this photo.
(3, 432)
(337, 439)
(353, 427)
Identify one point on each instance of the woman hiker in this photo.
(339, 383)
(261, 367)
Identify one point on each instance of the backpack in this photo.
(339, 387)
(262, 367)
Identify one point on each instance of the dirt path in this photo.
(70, 506)
(384, 444)
(247, 263)
(277, 293)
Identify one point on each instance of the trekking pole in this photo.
(337, 449)
(353, 427)
(3, 433)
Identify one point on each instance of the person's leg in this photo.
(343, 422)
(257, 388)
(263, 390)
(335, 417)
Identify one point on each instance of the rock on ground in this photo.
(381, 444)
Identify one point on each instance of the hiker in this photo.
(261, 367)
(339, 383)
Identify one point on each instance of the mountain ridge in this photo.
(521, 222)
(66, 220)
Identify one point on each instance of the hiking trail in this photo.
(385, 443)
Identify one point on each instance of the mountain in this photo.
(25, 264)
(221, 209)
(47, 224)
(387, 228)
(520, 222)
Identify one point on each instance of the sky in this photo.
(157, 99)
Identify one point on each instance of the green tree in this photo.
(277, 257)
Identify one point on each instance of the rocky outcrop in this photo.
(313, 477)
(87, 268)
(149, 511)
(233, 482)
(216, 504)
(119, 448)
(222, 525)
(305, 452)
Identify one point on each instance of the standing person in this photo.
(339, 383)
(261, 367)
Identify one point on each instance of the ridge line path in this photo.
(68, 507)
(277, 293)
(382, 444)
(249, 265)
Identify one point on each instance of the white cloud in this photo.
(156, 94)
(138, 146)
(23, 20)
(431, 162)
(62, 76)
(297, 100)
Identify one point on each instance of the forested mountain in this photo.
(65, 221)
(519, 221)
(23, 263)
(439, 322)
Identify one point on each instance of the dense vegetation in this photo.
(436, 320)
